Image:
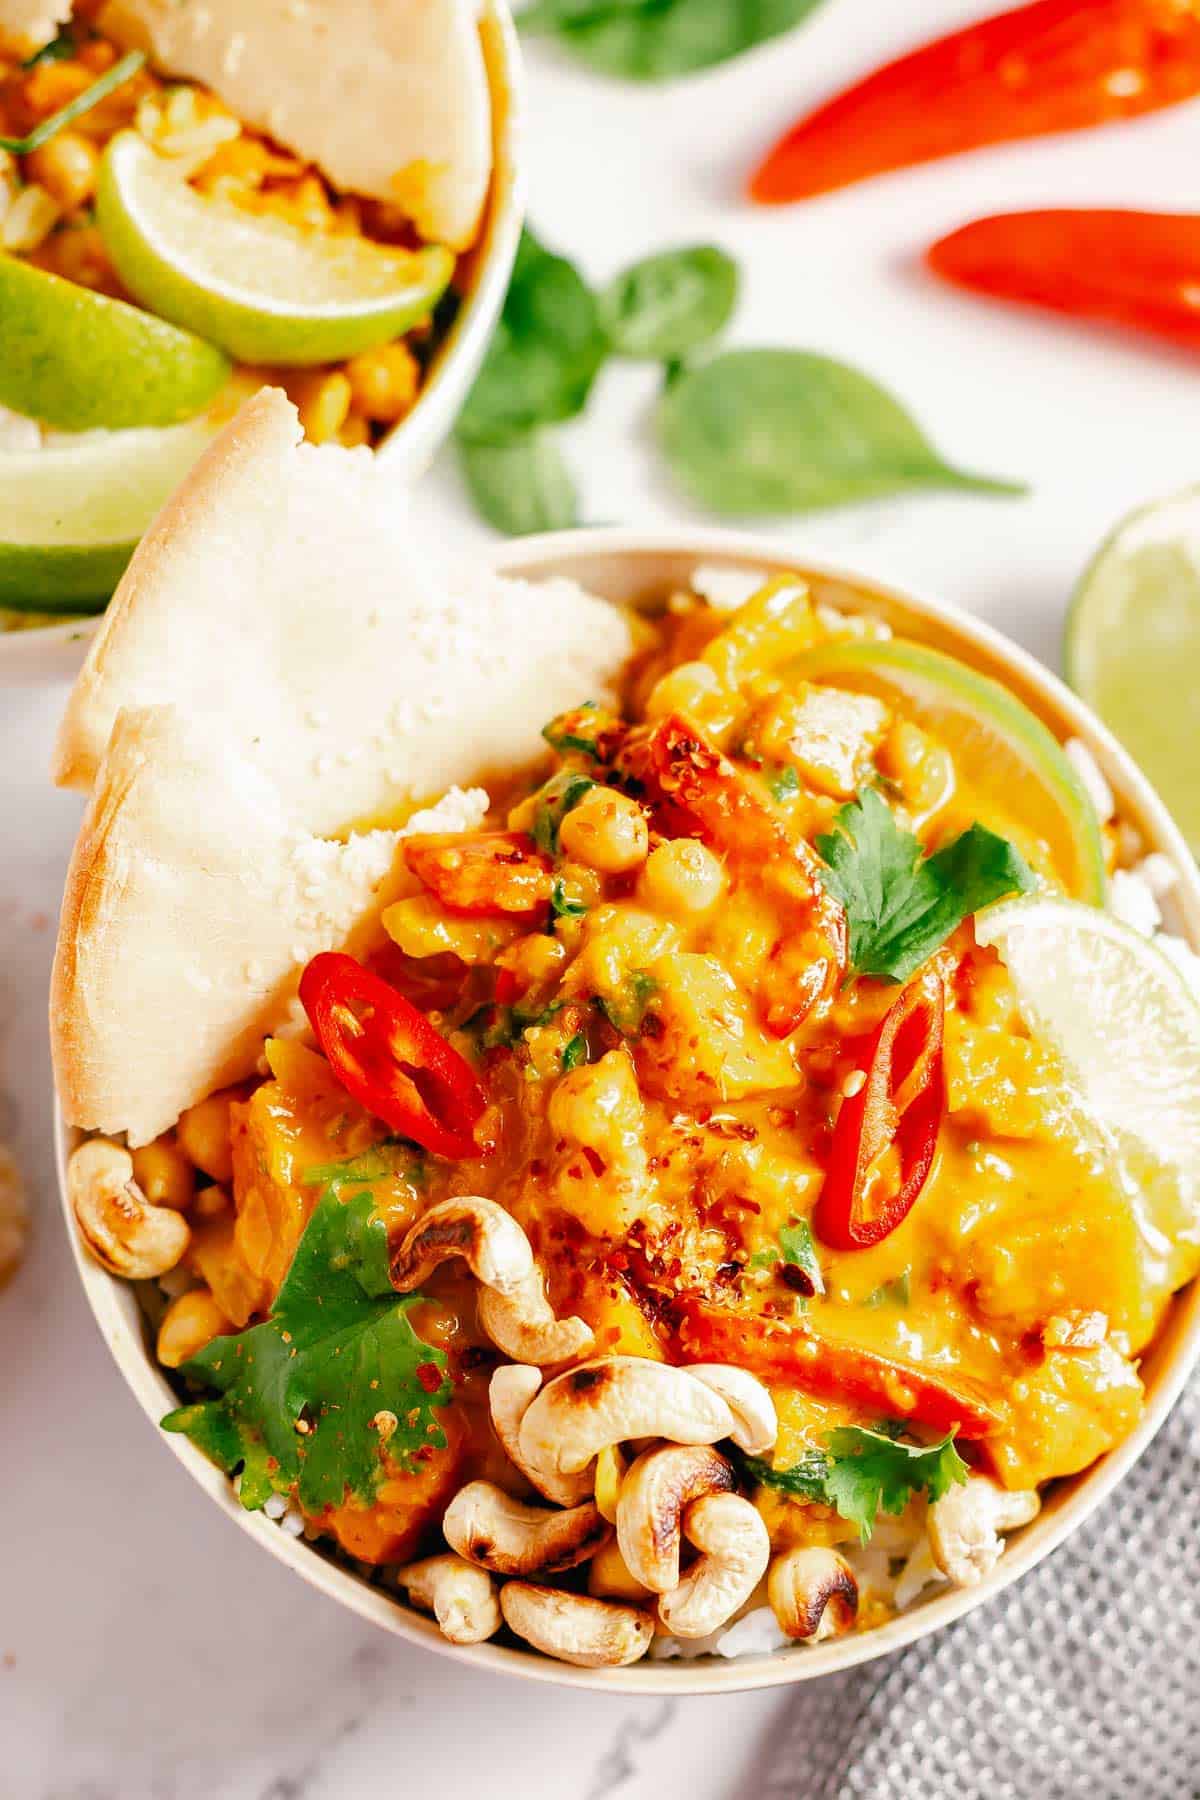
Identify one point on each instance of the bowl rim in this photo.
(44, 651)
(1174, 1352)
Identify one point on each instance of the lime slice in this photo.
(1007, 755)
(1133, 645)
(80, 361)
(70, 516)
(263, 290)
(1127, 1026)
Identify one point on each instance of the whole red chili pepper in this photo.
(796, 1356)
(898, 1107)
(1124, 268)
(389, 1057)
(1055, 65)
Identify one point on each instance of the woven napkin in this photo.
(1081, 1682)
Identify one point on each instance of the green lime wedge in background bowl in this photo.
(1132, 646)
(71, 516)
(1006, 753)
(80, 361)
(263, 290)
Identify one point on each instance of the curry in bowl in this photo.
(678, 1216)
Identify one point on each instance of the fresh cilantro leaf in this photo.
(890, 1293)
(561, 904)
(902, 905)
(562, 792)
(380, 1161)
(799, 1252)
(313, 1396)
(804, 1480)
(871, 1472)
(784, 782)
(574, 1053)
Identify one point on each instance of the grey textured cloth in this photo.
(1081, 1682)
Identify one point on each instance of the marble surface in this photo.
(147, 1652)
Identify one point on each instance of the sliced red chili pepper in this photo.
(1055, 65)
(484, 872)
(795, 1355)
(899, 1105)
(1134, 269)
(389, 1057)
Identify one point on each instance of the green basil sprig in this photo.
(668, 305)
(520, 487)
(654, 40)
(770, 432)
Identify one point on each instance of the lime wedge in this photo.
(1127, 1026)
(1007, 755)
(80, 361)
(70, 516)
(1133, 645)
(264, 291)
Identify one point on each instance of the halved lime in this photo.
(1127, 1026)
(1004, 752)
(263, 290)
(80, 361)
(1133, 645)
(70, 516)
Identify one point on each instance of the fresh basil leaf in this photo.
(667, 305)
(902, 905)
(872, 1472)
(520, 487)
(313, 1397)
(771, 432)
(653, 40)
(544, 356)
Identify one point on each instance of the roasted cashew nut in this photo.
(461, 1597)
(613, 1398)
(124, 1233)
(489, 1240)
(755, 1425)
(965, 1527)
(735, 1548)
(813, 1593)
(523, 1325)
(651, 1503)
(511, 1389)
(488, 1527)
(593, 1634)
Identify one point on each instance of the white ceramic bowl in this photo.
(632, 566)
(54, 652)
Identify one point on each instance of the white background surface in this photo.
(146, 1651)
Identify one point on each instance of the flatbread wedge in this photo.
(282, 661)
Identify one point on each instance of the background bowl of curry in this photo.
(52, 652)
(640, 568)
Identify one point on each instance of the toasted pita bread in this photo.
(284, 593)
(281, 659)
(388, 97)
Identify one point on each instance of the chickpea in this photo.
(607, 831)
(681, 876)
(323, 401)
(384, 382)
(355, 432)
(66, 167)
(210, 1203)
(203, 1135)
(189, 1324)
(164, 1174)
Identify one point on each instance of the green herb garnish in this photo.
(784, 782)
(520, 487)
(561, 904)
(656, 40)
(890, 1293)
(627, 1013)
(861, 1473)
(60, 49)
(561, 736)
(667, 305)
(574, 1053)
(113, 78)
(335, 1377)
(902, 905)
(560, 794)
